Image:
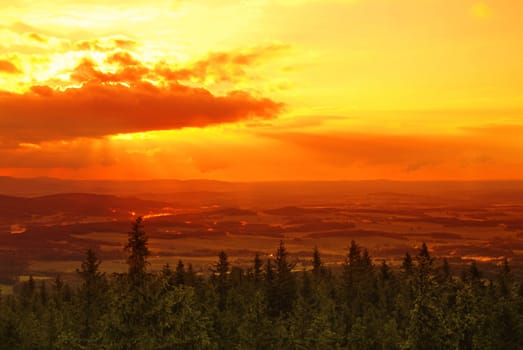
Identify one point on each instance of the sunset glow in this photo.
(262, 89)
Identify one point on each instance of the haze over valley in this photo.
(43, 234)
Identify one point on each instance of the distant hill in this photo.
(202, 193)
(74, 204)
(41, 186)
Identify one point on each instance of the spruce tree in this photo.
(221, 278)
(179, 275)
(285, 283)
(133, 299)
(257, 269)
(138, 252)
(504, 279)
(317, 264)
(427, 326)
(91, 293)
(407, 264)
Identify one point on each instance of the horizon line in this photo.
(260, 181)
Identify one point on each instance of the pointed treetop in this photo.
(407, 263)
(473, 273)
(138, 252)
(317, 264)
(446, 269)
(354, 256)
(423, 258)
(385, 272)
(222, 266)
(90, 268)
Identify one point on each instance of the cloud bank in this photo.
(96, 110)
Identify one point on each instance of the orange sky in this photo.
(248, 90)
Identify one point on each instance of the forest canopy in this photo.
(269, 305)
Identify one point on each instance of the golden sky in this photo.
(262, 89)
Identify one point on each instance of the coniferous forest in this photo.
(269, 305)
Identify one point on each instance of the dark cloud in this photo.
(124, 101)
(98, 109)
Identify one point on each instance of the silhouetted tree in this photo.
(138, 252)
(407, 264)
(257, 269)
(92, 295)
(284, 282)
(221, 278)
(179, 276)
(504, 278)
(427, 326)
(421, 307)
(317, 264)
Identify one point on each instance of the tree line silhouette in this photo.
(422, 305)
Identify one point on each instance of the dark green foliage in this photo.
(282, 289)
(138, 252)
(407, 264)
(359, 286)
(190, 276)
(220, 278)
(427, 328)
(317, 264)
(257, 269)
(179, 276)
(91, 299)
(420, 306)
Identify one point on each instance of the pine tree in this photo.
(505, 279)
(133, 299)
(179, 275)
(221, 278)
(407, 264)
(427, 327)
(270, 289)
(91, 292)
(423, 258)
(467, 317)
(385, 271)
(354, 256)
(387, 289)
(90, 270)
(190, 276)
(473, 273)
(138, 252)
(257, 269)
(285, 283)
(167, 274)
(317, 264)
(360, 287)
(424, 269)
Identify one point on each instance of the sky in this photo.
(262, 90)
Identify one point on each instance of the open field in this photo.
(460, 222)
